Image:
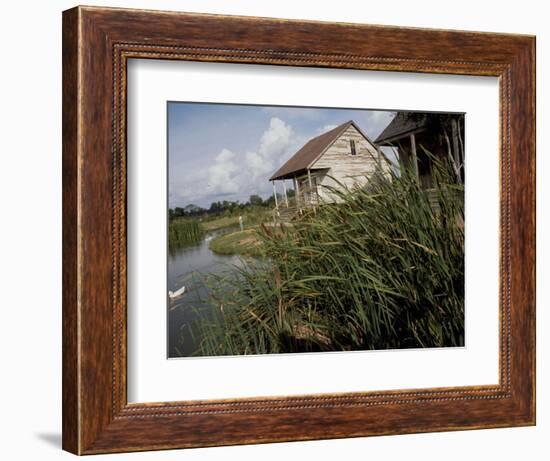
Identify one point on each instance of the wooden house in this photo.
(343, 156)
(420, 137)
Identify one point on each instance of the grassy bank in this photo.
(245, 243)
(252, 217)
(183, 232)
(380, 269)
(220, 223)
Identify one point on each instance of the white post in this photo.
(275, 196)
(286, 196)
(297, 193)
(310, 186)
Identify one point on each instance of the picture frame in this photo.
(97, 44)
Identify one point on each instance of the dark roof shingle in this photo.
(402, 124)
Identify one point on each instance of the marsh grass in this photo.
(382, 268)
(183, 232)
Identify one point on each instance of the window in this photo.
(352, 146)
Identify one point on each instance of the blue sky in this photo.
(222, 152)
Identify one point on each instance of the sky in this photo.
(222, 152)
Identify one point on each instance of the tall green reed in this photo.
(183, 232)
(381, 267)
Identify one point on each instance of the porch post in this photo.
(311, 200)
(297, 193)
(286, 196)
(309, 183)
(414, 157)
(275, 196)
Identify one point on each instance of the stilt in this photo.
(275, 197)
(286, 196)
(311, 201)
(297, 193)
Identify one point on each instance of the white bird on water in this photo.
(177, 293)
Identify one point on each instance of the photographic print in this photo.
(313, 229)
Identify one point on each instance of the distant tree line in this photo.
(228, 207)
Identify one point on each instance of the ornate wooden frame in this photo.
(97, 43)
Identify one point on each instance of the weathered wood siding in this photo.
(350, 170)
(425, 142)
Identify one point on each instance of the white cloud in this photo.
(275, 139)
(294, 113)
(221, 174)
(258, 166)
(243, 174)
(326, 128)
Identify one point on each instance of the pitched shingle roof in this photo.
(302, 159)
(403, 123)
